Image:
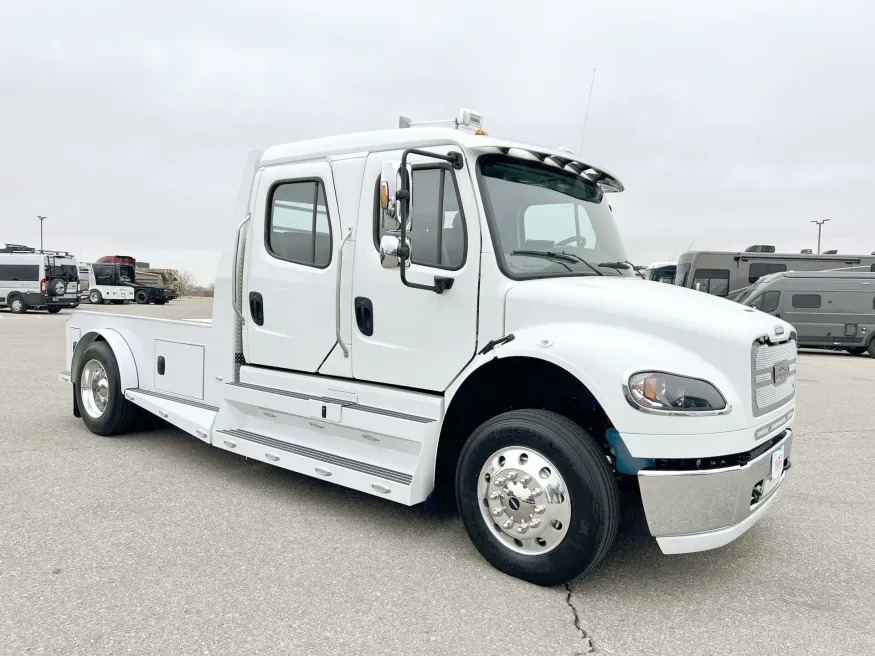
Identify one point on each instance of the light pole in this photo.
(41, 219)
(819, 228)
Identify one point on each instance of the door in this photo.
(413, 337)
(291, 268)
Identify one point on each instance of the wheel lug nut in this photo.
(537, 492)
(511, 476)
(494, 495)
(508, 524)
(522, 528)
(498, 512)
(499, 482)
(535, 523)
(525, 480)
(539, 510)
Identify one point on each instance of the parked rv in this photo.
(661, 272)
(407, 310)
(829, 310)
(724, 273)
(37, 280)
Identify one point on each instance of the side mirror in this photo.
(389, 256)
(390, 183)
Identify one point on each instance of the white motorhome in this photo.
(427, 308)
(42, 280)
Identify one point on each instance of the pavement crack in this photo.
(588, 646)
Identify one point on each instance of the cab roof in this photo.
(423, 137)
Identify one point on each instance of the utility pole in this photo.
(819, 228)
(41, 219)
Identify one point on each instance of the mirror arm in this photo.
(403, 197)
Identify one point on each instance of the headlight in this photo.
(659, 392)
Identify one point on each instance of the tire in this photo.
(95, 297)
(871, 348)
(118, 301)
(142, 297)
(17, 304)
(56, 287)
(160, 301)
(102, 381)
(53, 309)
(856, 350)
(590, 505)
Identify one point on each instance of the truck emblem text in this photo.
(780, 372)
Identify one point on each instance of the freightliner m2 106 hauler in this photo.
(433, 308)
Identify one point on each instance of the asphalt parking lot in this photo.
(155, 543)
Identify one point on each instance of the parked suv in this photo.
(44, 280)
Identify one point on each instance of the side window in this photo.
(809, 301)
(104, 275)
(297, 225)
(760, 269)
(438, 236)
(19, 272)
(769, 301)
(713, 281)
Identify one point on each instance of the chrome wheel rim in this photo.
(524, 499)
(94, 386)
(16, 305)
(94, 297)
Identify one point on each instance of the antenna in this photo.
(586, 116)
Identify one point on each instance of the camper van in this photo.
(37, 280)
(829, 309)
(726, 274)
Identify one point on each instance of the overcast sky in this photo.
(732, 123)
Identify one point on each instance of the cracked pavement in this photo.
(157, 543)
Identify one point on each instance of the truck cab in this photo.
(428, 309)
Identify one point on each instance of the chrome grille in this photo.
(766, 394)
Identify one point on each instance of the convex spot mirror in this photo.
(389, 256)
(390, 183)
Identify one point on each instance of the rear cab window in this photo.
(298, 229)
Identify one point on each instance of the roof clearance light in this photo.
(468, 118)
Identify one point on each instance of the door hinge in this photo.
(496, 342)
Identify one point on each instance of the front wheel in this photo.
(17, 304)
(102, 404)
(142, 297)
(871, 348)
(537, 497)
(94, 296)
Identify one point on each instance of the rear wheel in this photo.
(871, 349)
(160, 301)
(53, 309)
(16, 304)
(94, 296)
(142, 297)
(856, 350)
(102, 404)
(537, 497)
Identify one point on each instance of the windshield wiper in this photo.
(560, 256)
(616, 265)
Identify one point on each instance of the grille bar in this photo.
(766, 395)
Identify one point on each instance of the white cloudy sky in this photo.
(732, 123)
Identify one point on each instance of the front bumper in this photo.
(698, 509)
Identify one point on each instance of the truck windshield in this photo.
(547, 222)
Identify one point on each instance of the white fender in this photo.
(124, 357)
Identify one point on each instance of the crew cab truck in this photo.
(433, 308)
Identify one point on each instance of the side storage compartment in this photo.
(179, 368)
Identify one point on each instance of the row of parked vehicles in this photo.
(32, 279)
(828, 297)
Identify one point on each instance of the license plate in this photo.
(777, 463)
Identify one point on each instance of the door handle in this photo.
(364, 315)
(256, 308)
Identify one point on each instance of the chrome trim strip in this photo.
(175, 399)
(324, 399)
(297, 449)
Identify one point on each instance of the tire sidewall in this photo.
(102, 352)
(95, 297)
(581, 544)
(142, 297)
(11, 303)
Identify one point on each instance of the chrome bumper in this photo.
(695, 510)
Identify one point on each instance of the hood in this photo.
(667, 311)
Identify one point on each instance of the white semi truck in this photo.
(433, 308)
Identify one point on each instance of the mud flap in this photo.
(76, 412)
